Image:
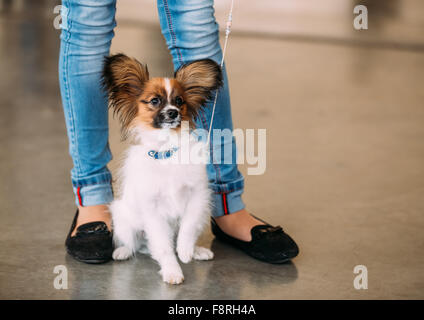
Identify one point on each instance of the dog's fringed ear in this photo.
(199, 79)
(124, 78)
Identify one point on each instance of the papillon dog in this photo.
(163, 204)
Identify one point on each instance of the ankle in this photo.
(89, 214)
(238, 224)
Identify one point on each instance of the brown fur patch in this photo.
(199, 79)
(124, 79)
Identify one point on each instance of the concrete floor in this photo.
(345, 154)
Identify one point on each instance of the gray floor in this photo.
(344, 116)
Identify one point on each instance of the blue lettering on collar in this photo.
(162, 154)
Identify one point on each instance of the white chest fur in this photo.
(167, 182)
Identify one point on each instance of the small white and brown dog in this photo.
(160, 199)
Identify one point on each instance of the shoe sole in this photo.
(89, 261)
(259, 259)
(272, 262)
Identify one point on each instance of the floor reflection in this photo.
(231, 275)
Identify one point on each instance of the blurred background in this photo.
(344, 115)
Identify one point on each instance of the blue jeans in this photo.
(191, 33)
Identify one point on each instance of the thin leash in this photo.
(227, 33)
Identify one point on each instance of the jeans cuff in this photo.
(93, 190)
(93, 195)
(227, 203)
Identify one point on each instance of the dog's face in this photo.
(158, 103)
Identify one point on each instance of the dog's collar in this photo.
(162, 154)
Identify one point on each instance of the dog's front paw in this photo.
(185, 253)
(201, 253)
(121, 253)
(172, 275)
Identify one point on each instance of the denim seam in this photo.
(171, 30)
(72, 130)
(217, 169)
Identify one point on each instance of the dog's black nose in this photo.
(172, 114)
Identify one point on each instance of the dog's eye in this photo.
(155, 102)
(179, 101)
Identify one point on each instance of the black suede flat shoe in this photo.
(269, 244)
(92, 242)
